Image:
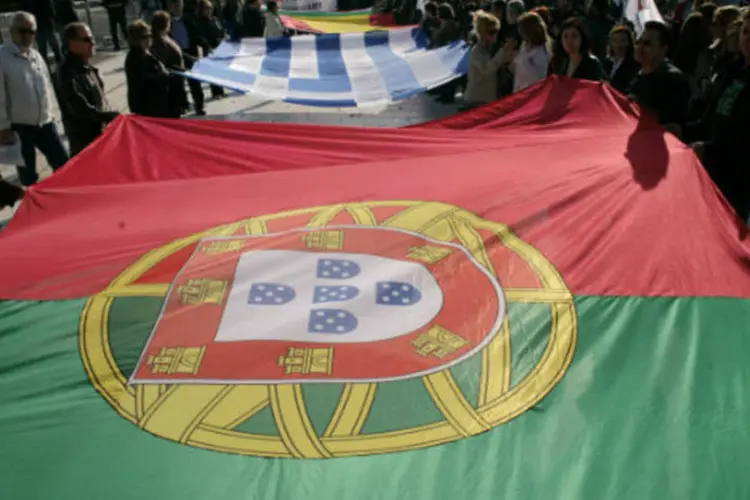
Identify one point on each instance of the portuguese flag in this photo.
(544, 298)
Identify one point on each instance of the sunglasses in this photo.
(26, 31)
(86, 39)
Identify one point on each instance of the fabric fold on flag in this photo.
(339, 70)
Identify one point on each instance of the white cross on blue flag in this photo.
(340, 69)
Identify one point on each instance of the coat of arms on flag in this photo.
(311, 305)
(290, 334)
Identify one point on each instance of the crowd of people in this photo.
(691, 74)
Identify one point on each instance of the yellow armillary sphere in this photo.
(350, 329)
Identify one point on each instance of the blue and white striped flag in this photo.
(342, 69)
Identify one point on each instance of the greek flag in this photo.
(341, 69)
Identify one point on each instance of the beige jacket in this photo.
(26, 93)
(482, 85)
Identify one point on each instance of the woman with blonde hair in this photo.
(531, 64)
(483, 66)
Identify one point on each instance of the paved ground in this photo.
(249, 108)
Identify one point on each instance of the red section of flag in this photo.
(196, 305)
(619, 206)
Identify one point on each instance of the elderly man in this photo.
(85, 110)
(27, 99)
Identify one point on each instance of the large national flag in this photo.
(551, 304)
(350, 69)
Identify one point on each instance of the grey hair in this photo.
(22, 17)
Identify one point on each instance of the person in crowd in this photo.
(505, 75)
(693, 56)
(621, 66)
(9, 194)
(211, 32)
(117, 20)
(482, 84)
(725, 152)
(46, 35)
(509, 28)
(83, 103)
(707, 10)
(65, 13)
(274, 26)
(184, 33)
(449, 30)
(230, 15)
(146, 76)
(170, 54)
(253, 20)
(150, 7)
(572, 54)
(497, 9)
(659, 87)
(544, 13)
(465, 20)
(27, 98)
(564, 10)
(723, 19)
(406, 13)
(430, 20)
(598, 25)
(531, 64)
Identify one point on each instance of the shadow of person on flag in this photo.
(647, 152)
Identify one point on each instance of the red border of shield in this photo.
(181, 348)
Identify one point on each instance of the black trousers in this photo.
(196, 91)
(117, 18)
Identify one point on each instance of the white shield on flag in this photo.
(342, 303)
(331, 298)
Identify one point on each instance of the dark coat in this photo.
(66, 12)
(170, 55)
(148, 84)
(210, 30)
(253, 22)
(624, 75)
(448, 31)
(83, 103)
(589, 69)
(665, 93)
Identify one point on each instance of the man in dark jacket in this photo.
(253, 21)
(659, 87)
(46, 35)
(84, 106)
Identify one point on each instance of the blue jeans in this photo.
(47, 139)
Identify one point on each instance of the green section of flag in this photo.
(654, 406)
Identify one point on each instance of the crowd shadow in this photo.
(647, 153)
